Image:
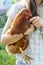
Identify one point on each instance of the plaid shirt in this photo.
(36, 44)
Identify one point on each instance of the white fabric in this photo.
(40, 12)
(14, 9)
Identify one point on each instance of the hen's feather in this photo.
(20, 23)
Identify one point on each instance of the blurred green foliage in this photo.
(5, 59)
(3, 18)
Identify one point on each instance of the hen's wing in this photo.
(20, 24)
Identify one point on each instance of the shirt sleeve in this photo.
(14, 10)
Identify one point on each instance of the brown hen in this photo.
(20, 25)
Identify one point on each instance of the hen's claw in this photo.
(25, 57)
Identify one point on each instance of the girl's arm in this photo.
(6, 38)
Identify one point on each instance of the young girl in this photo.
(35, 38)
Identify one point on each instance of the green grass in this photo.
(5, 59)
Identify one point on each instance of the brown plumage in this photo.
(21, 22)
(14, 48)
(20, 25)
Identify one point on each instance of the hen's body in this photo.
(14, 48)
(20, 25)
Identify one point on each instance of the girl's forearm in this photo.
(8, 39)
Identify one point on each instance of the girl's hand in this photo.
(30, 30)
(36, 21)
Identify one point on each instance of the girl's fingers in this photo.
(36, 24)
(33, 18)
(29, 31)
(36, 21)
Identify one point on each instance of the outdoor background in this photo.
(5, 59)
